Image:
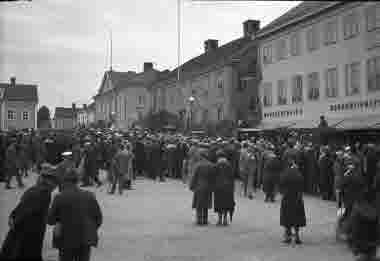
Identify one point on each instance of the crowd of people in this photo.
(345, 173)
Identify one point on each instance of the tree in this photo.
(43, 118)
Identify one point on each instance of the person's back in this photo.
(79, 215)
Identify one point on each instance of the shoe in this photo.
(99, 185)
(8, 187)
(298, 241)
(287, 240)
(250, 197)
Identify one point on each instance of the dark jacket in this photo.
(80, 216)
(292, 213)
(25, 240)
(272, 169)
(224, 187)
(202, 184)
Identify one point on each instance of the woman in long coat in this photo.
(292, 213)
(224, 202)
(271, 176)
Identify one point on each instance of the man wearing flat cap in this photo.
(201, 184)
(77, 217)
(27, 222)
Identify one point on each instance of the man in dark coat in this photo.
(202, 184)
(139, 152)
(224, 202)
(157, 160)
(272, 171)
(77, 216)
(292, 213)
(326, 175)
(13, 165)
(28, 221)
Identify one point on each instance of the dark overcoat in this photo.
(80, 216)
(224, 187)
(201, 184)
(292, 213)
(272, 170)
(25, 240)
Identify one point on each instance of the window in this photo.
(139, 115)
(267, 54)
(281, 49)
(267, 95)
(11, 115)
(125, 108)
(220, 113)
(25, 115)
(373, 74)
(205, 115)
(313, 86)
(350, 25)
(219, 85)
(243, 84)
(297, 92)
(282, 94)
(331, 32)
(141, 100)
(373, 17)
(312, 39)
(332, 83)
(295, 44)
(352, 78)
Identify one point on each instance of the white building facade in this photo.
(325, 62)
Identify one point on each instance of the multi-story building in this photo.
(222, 83)
(18, 106)
(65, 118)
(322, 58)
(82, 117)
(123, 97)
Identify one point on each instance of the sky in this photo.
(63, 45)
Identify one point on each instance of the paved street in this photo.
(155, 222)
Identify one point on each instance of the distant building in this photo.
(82, 117)
(223, 82)
(18, 106)
(123, 97)
(65, 118)
(322, 58)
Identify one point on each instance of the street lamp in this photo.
(191, 100)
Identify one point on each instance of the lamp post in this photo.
(191, 100)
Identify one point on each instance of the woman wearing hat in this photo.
(292, 213)
(224, 202)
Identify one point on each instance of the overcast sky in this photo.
(62, 45)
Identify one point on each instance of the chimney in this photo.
(13, 81)
(251, 27)
(210, 45)
(148, 67)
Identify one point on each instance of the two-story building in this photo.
(18, 104)
(322, 58)
(123, 97)
(220, 84)
(65, 118)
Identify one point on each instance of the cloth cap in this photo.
(67, 153)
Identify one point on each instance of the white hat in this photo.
(67, 153)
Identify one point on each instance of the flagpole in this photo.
(179, 37)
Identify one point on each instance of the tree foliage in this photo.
(43, 118)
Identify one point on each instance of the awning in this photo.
(368, 122)
(274, 125)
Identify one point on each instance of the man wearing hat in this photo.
(78, 216)
(201, 184)
(27, 222)
(65, 165)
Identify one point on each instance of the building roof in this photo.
(297, 13)
(63, 113)
(20, 92)
(221, 55)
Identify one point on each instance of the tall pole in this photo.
(110, 49)
(179, 36)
